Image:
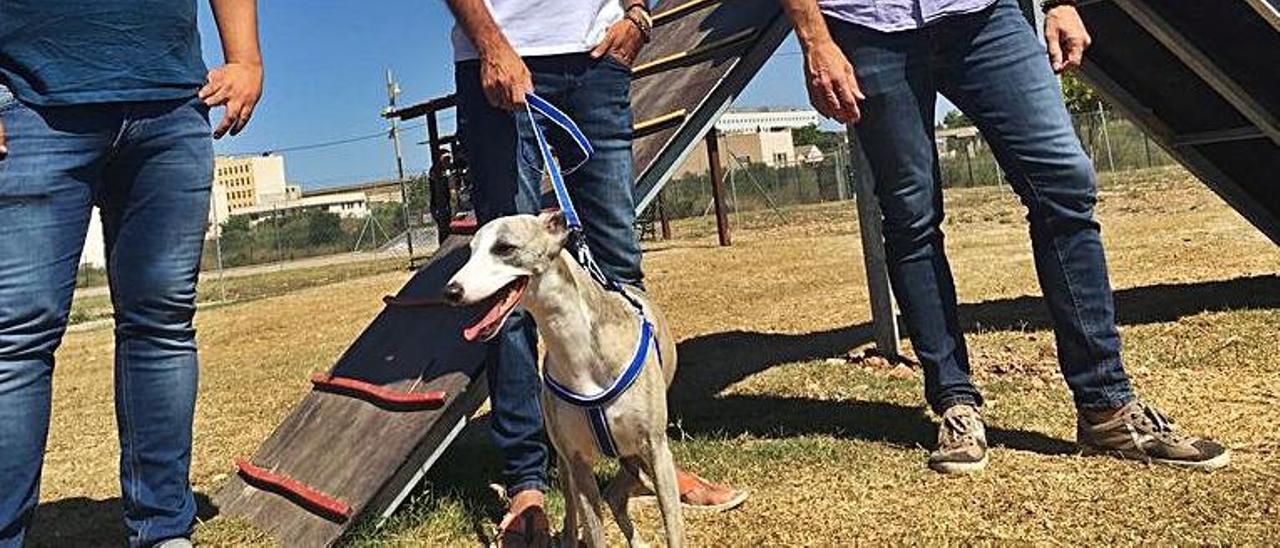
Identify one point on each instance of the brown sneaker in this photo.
(962, 442)
(1138, 431)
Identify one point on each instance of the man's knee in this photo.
(31, 329)
(1063, 197)
(911, 221)
(156, 304)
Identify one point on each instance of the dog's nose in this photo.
(453, 293)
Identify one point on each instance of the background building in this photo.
(243, 183)
(753, 136)
(348, 205)
(250, 180)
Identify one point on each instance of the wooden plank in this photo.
(1204, 67)
(354, 450)
(1267, 11)
(658, 121)
(679, 58)
(705, 89)
(884, 317)
(1218, 136)
(670, 14)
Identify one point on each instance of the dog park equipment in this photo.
(348, 452)
(1199, 76)
(1203, 80)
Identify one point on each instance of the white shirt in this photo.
(546, 27)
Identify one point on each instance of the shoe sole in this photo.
(1215, 463)
(959, 467)
(725, 506)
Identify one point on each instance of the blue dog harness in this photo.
(593, 405)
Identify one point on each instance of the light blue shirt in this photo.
(896, 15)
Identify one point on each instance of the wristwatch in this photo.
(638, 14)
(1046, 5)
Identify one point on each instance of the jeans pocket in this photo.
(610, 59)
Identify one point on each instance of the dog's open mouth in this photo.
(497, 309)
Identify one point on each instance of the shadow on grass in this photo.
(82, 521)
(881, 422)
(711, 363)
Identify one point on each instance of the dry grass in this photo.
(832, 452)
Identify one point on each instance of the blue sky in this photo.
(325, 64)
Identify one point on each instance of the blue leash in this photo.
(593, 405)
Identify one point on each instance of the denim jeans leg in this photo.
(602, 188)
(155, 199)
(503, 169)
(896, 132)
(994, 68)
(46, 195)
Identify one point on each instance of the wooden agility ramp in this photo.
(1202, 78)
(362, 439)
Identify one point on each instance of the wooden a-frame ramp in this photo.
(361, 441)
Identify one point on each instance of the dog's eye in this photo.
(503, 248)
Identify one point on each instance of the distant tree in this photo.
(1079, 96)
(811, 135)
(322, 227)
(954, 119)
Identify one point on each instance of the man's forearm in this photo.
(478, 24)
(238, 29)
(811, 28)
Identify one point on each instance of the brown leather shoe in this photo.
(525, 524)
(698, 494)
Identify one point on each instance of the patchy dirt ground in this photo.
(832, 452)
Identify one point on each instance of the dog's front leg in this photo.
(568, 534)
(663, 473)
(589, 503)
(617, 495)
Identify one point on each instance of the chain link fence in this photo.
(378, 231)
(965, 160)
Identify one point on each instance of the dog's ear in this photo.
(554, 223)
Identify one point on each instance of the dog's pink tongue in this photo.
(507, 299)
(473, 332)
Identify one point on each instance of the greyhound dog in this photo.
(591, 335)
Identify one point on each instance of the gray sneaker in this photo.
(174, 543)
(1138, 431)
(962, 442)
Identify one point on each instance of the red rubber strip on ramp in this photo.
(410, 302)
(464, 225)
(297, 491)
(380, 394)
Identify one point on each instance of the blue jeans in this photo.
(149, 167)
(991, 65)
(506, 173)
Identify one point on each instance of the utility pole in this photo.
(393, 92)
